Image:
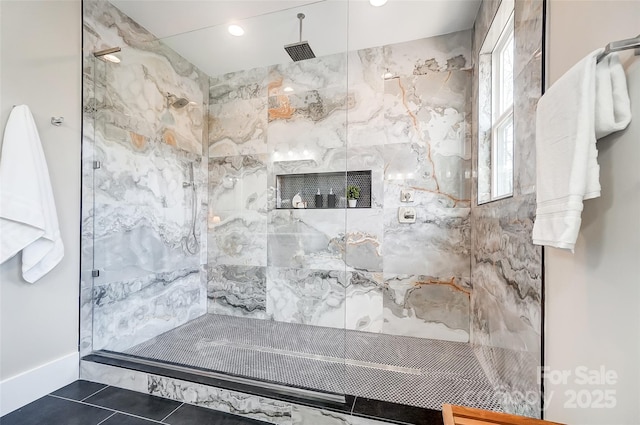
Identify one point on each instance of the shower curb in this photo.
(280, 409)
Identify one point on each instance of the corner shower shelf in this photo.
(307, 185)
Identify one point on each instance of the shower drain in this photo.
(208, 343)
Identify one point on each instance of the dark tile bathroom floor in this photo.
(88, 403)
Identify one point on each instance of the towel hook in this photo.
(57, 121)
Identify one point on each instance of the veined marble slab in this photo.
(327, 72)
(427, 307)
(313, 297)
(238, 183)
(507, 276)
(314, 119)
(135, 90)
(238, 127)
(437, 244)
(237, 237)
(307, 238)
(306, 415)
(364, 307)
(364, 239)
(528, 86)
(237, 291)
(241, 85)
(246, 405)
(366, 118)
(442, 53)
(142, 214)
(437, 180)
(130, 312)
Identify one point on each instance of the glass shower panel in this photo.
(148, 196)
(408, 254)
(203, 262)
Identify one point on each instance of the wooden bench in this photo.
(460, 415)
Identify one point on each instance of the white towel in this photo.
(28, 220)
(568, 123)
(613, 106)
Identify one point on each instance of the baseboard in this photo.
(28, 386)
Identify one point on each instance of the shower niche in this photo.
(322, 190)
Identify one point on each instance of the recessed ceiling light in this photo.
(236, 30)
(377, 3)
(288, 89)
(111, 58)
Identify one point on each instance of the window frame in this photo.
(496, 144)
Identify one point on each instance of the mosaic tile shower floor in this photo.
(412, 371)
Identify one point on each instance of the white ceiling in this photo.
(198, 29)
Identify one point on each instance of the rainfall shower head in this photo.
(176, 102)
(301, 50)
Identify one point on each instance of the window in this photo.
(495, 124)
(502, 115)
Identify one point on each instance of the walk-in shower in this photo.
(218, 241)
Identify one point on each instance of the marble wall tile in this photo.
(437, 244)
(366, 120)
(245, 405)
(507, 277)
(237, 291)
(364, 239)
(436, 179)
(427, 307)
(314, 120)
(528, 32)
(237, 237)
(238, 127)
(364, 305)
(157, 69)
(400, 112)
(130, 312)
(308, 415)
(238, 183)
(431, 109)
(310, 239)
(113, 375)
(483, 131)
(241, 85)
(312, 297)
(327, 72)
(528, 85)
(442, 53)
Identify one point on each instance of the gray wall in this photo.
(593, 296)
(40, 67)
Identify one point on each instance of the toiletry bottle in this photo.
(331, 199)
(318, 199)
